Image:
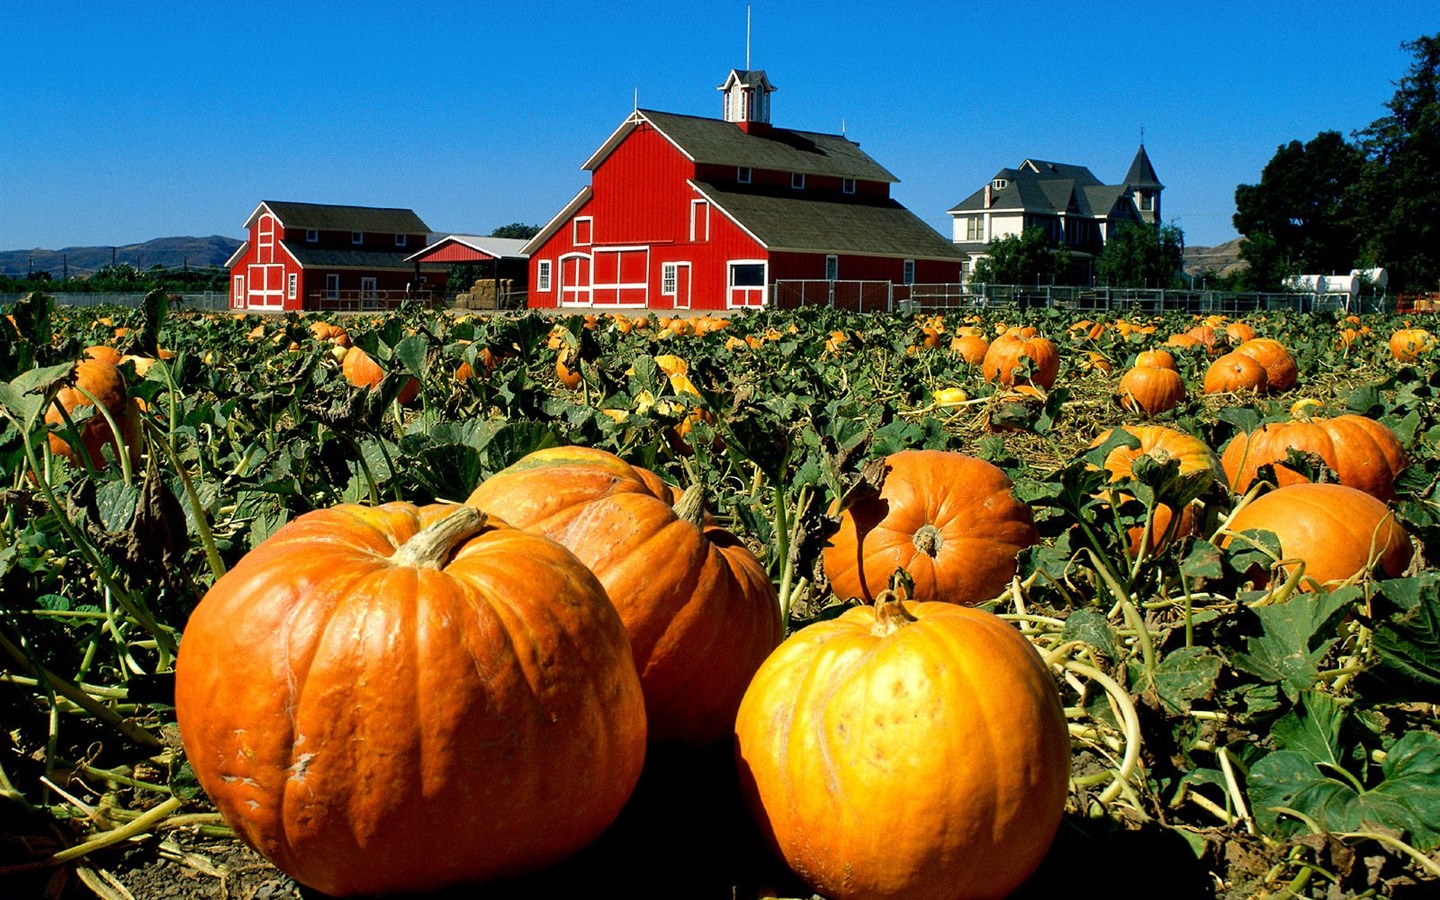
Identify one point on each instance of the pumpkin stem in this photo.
(431, 547)
(691, 505)
(928, 540)
(890, 613)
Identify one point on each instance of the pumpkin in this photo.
(1006, 352)
(400, 698)
(1151, 390)
(1235, 372)
(1338, 532)
(1239, 332)
(327, 331)
(1205, 334)
(104, 353)
(948, 519)
(1364, 453)
(361, 370)
(971, 348)
(1280, 369)
(699, 607)
(905, 752)
(1159, 358)
(569, 377)
(103, 381)
(1159, 442)
(1409, 344)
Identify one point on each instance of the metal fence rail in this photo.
(208, 300)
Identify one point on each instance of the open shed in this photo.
(502, 262)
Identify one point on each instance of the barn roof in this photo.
(329, 217)
(716, 142)
(785, 222)
(485, 247)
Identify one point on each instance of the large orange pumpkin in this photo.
(400, 698)
(1281, 372)
(700, 609)
(1364, 453)
(361, 370)
(103, 381)
(1409, 344)
(1337, 531)
(1160, 443)
(948, 519)
(1235, 372)
(1151, 390)
(1004, 358)
(1157, 357)
(906, 752)
(970, 347)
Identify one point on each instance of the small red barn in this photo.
(689, 212)
(303, 256)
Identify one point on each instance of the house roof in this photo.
(786, 222)
(493, 247)
(1142, 174)
(1042, 186)
(328, 217)
(313, 257)
(716, 142)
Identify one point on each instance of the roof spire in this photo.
(747, 37)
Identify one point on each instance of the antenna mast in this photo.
(747, 37)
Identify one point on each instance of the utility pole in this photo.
(65, 265)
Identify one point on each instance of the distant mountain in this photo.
(171, 252)
(1220, 259)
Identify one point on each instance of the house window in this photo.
(742, 174)
(584, 231)
(832, 267)
(699, 220)
(907, 274)
(668, 279)
(357, 237)
(400, 239)
(332, 286)
(975, 228)
(292, 285)
(312, 235)
(542, 276)
(847, 185)
(1147, 201)
(999, 184)
(797, 180)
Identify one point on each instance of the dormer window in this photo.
(312, 235)
(847, 185)
(797, 180)
(357, 237)
(400, 240)
(998, 184)
(742, 174)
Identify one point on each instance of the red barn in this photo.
(689, 212)
(303, 256)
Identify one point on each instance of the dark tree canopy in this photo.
(516, 230)
(1141, 255)
(1026, 258)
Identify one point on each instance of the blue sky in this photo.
(126, 121)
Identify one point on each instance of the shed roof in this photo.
(487, 247)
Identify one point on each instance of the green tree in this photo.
(1141, 255)
(1303, 216)
(516, 230)
(1401, 191)
(1026, 258)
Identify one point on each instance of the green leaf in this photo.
(1297, 634)
(411, 354)
(1093, 628)
(1407, 639)
(25, 395)
(1203, 561)
(1186, 675)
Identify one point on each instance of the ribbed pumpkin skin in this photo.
(700, 609)
(1364, 453)
(374, 728)
(361, 370)
(1004, 355)
(1281, 371)
(1151, 390)
(948, 519)
(1159, 441)
(104, 382)
(1330, 526)
(1234, 372)
(930, 762)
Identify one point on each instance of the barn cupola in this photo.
(747, 99)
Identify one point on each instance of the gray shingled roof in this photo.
(791, 222)
(311, 257)
(327, 217)
(1142, 174)
(716, 142)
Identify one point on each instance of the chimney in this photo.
(989, 198)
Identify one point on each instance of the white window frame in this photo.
(907, 271)
(332, 286)
(292, 285)
(542, 276)
(999, 184)
(797, 181)
(731, 288)
(239, 286)
(743, 174)
(832, 267)
(669, 277)
(357, 237)
(400, 239)
(699, 220)
(847, 185)
(586, 238)
(974, 228)
(312, 235)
